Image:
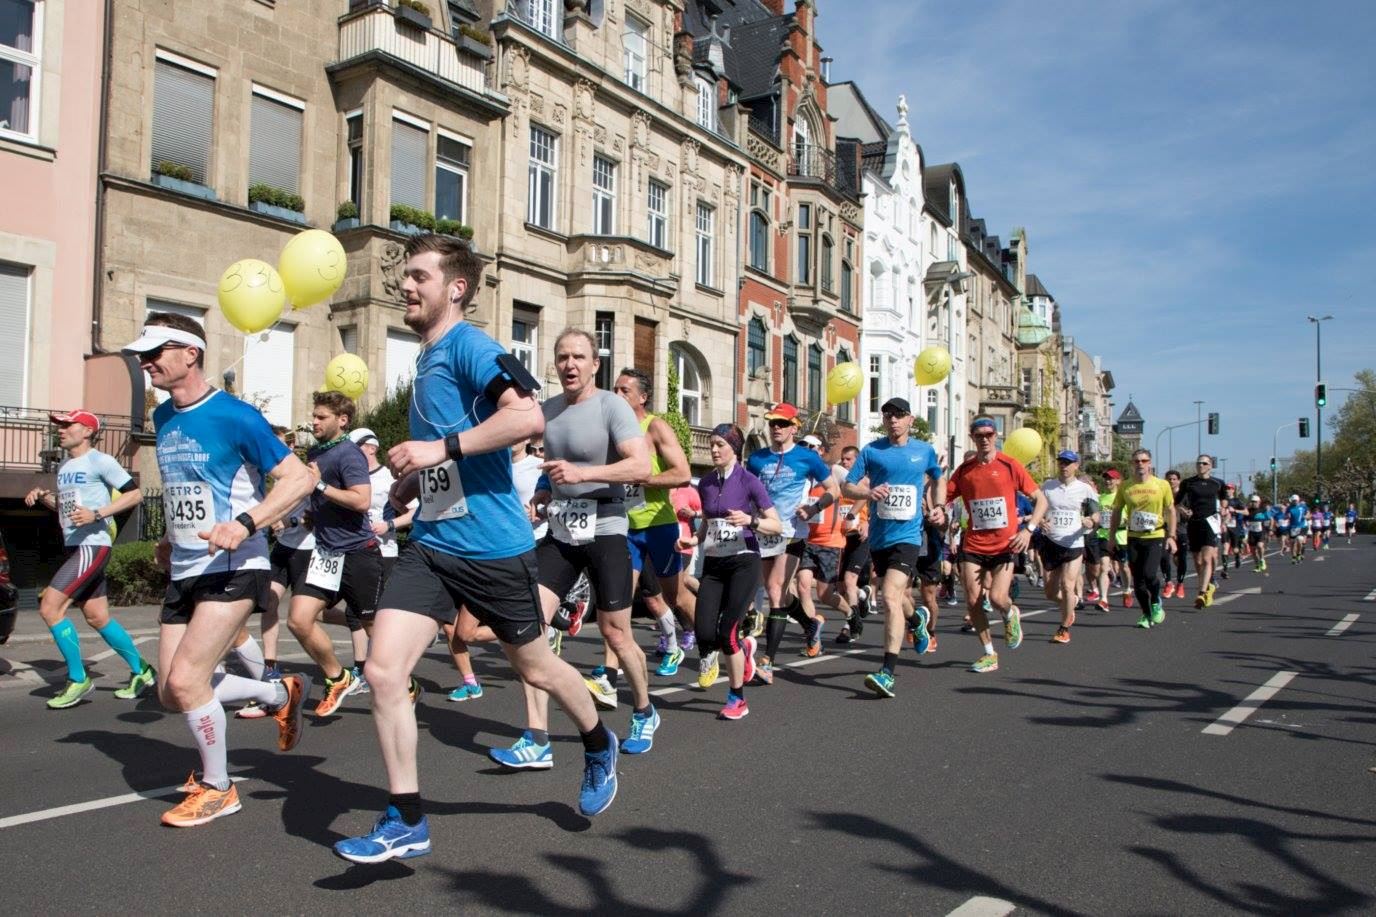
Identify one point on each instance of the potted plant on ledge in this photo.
(411, 221)
(176, 177)
(474, 41)
(414, 13)
(449, 227)
(275, 202)
(346, 217)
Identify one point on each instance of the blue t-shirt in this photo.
(1280, 517)
(1351, 516)
(905, 468)
(787, 477)
(1297, 513)
(212, 456)
(86, 481)
(337, 528)
(467, 509)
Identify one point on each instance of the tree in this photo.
(391, 419)
(672, 415)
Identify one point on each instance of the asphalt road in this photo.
(1079, 779)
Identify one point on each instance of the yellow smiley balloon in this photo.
(251, 295)
(1024, 444)
(932, 365)
(346, 373)
(312, 266)
(844, 382)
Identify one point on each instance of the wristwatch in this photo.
(320, 487)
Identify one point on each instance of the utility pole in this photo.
(1199, 431)
(1318, 408)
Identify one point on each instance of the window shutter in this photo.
(408, 165)
(275, 147)
(348, 338)
(183, 112)
(268, 370)
(14, 329)
(402, 349)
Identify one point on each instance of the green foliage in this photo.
(267, 194)
(421, 219)
(477, 34)
(450, 227)
(346, 211)
(415, 5)
(133, 577)
(673, 417)
(390, 420)
(176, 170)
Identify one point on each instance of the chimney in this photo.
(826, 69)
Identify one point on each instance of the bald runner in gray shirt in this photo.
(587, 433)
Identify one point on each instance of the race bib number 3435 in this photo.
(189, 509)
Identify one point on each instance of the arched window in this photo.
(761, 202)
(802, 141)
(690, 384)
(756, 336)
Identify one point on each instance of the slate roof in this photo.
(1130, 414)
(1035, 288)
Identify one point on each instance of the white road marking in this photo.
(1233, 596)
(23, 672)
(108, 653)
(1342, 625)
(1370, 596)
(107, 802)
(1236, 716)
(983, 906)
(1319, 560)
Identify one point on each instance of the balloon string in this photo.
(249, 339)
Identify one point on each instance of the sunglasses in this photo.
(149, 356)
(777, 424)
(538, 449)
(895, 415)
(1141, 461)
(1203, 464)
(989, 435)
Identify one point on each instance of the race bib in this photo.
(1064, 521)
(635, 496)
(1142, 521)
(1254, 526)
(189, 509)
(573, 521)
(723, 538)
(772, 545)
(1216, 524)
(325, 569)
(900, 504)
(441, 493)
(989, 513)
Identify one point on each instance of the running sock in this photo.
(735, 694)
(667, 628)
(539, 736)
(774, 631)
(989, 649)
(270, 663)
(613, 676)
(470, 679)
(64, 634)
(251, 655)
(795, 611)
(890, 660)
(118, 638)
(644, 711)
(407, 805)
(207, 724)
(596, 741)
(231, 689)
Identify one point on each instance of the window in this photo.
(354, 130)
(21, 30)
(14, 325)
(827, 250)
(951, 247)
(706, 220)
(755, 347)
(707, 104)
(689, 385)
(804, 243)
(658, 229)
(635, 46)
(268, 369)
(843, 410)
(183, 112)
(876, 394)
(452, 156)
(847, 281)
(814, 378)
(605, 328)
(274, 155)
(760, 202)
(544, 152)
(410, 145)
(603, 196)
(403, 348)
(931, 410)
(525, 337)
(540, 15)
(1027, 387)
(802, 141)
(348, 338)
(790, 373)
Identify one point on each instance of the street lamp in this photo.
(955, 283)
(1318, 408)
(1199, 429)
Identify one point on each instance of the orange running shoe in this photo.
(1168, 590)
(201, 805)
(1062, 635)
(931, 647)
(335, 692)
(189, 786)
(288, 716)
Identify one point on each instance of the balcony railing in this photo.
(28, 440)
(378, 29)
(764, 127)
(702, 452)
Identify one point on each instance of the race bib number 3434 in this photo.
(989, 513)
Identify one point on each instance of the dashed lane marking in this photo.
(1342, 625)
(1238, 715)
(78, 807)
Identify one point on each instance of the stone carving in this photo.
(850, 213)
(691, 149)
(599, 134)
(761, 150)
(573, 7)
(537, 104)
(683, 58)
(647, 262)
(583, 99)
(517, 104)
(618, 144)
(393, 256)
(560, 112)
(600, 255)
(640, 129)
(518, 69)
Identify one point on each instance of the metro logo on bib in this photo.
(989, 513)
(1064, 521)
(573, 521)
(189, 509)
(899, 504)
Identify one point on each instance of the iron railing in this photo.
(764, 127)
(28, 439)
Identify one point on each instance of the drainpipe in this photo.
(98, 279)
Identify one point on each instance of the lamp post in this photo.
(1318, 408)
(1199, 430)
(954, 284)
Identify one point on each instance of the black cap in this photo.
(896, 406)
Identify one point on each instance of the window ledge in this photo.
(704, 288)
(539, 230)
(15, 144)
(763, 273)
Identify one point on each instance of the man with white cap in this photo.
(213, 451)
(83, 506)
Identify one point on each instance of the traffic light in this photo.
(1213, 424)
(1321, 394)
(1304, 428)
(1273, 464)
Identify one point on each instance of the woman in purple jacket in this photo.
(735, 508)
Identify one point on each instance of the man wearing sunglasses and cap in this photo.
(82, 502)
(213, 452)
(1072, 511)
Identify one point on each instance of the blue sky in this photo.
(1194, 178)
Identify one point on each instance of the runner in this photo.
(819, 571)
(593, 447)
(213, 450)
(786, 470)
(653, 533)
(1116, 549)
(1176, 586)
(1298, 511)
(1201, 499)
(1323, 519)
(736, 507)
(1146, 505)
(855, 556)
(470, 544)
(988, 484)
(85, 480)
(900, 476)
(346, 564)
(1259, 520)
(1280, 524)
(1351, 517)
(1234, 529)
(1072, 510)
(1098, 556)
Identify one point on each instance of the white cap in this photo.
(154, 336)
(362, 435)
(812, 441)
(1294, 498)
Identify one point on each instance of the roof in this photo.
(1035, 288)
(936, 184)
(854, 115)
(1130, 414)
(752, 58)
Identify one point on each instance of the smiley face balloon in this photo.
(312, 266)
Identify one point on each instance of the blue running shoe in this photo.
(668, 666)
(922, 638)
(599, 779)
(881, 683)
(525, 755)
(642, 735)
(391, 838)
(466, 692)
